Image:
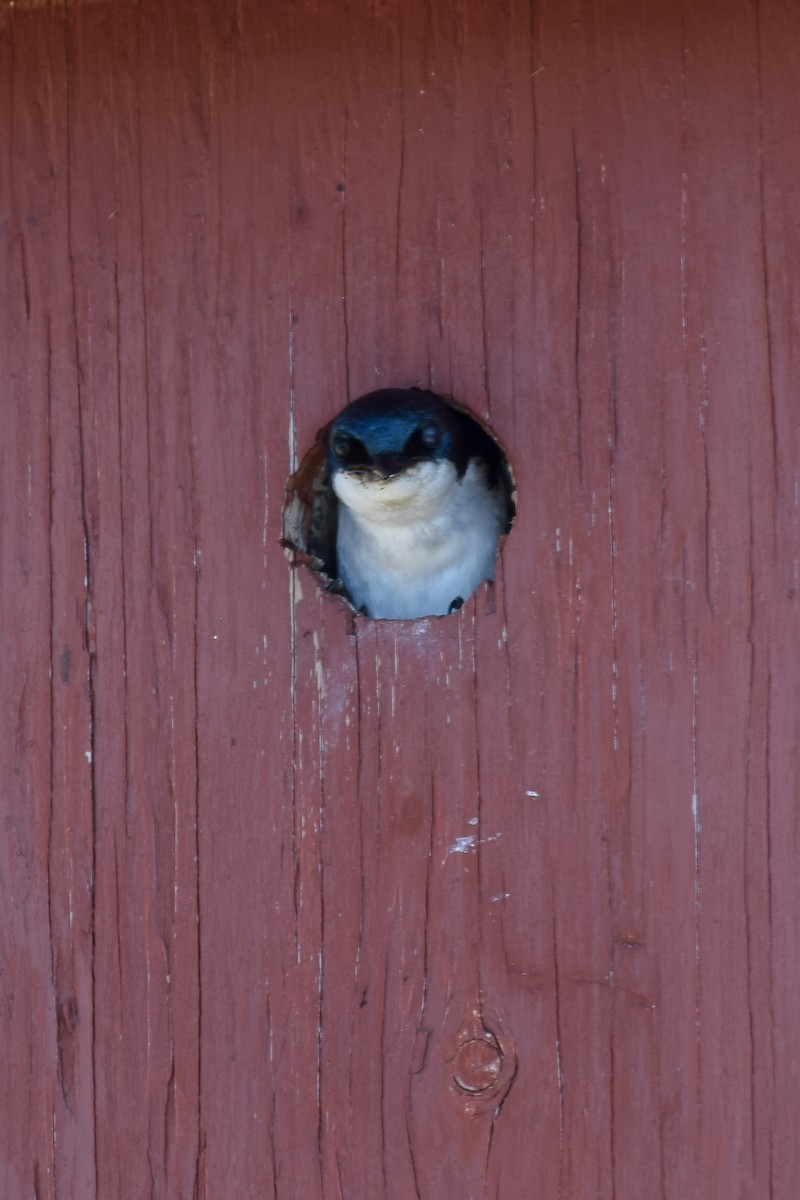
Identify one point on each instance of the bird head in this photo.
(394, 452)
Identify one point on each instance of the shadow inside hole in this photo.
(311, 511)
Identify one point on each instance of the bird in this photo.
(424, 494)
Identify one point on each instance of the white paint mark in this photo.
(319, 673)
(472, 821)
(560, 1074)
(500, 896)
(463, 844)
(612, 534)
(292, 419)
(87, 754)
(532, 793)
(704, 369)
(696, 813)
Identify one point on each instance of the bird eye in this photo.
(430, 435)
(340, 445)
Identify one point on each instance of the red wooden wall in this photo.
(301, 905)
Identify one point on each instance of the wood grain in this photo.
(297, 904)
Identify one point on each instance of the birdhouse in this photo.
(305, 895)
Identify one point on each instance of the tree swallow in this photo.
(424, 496)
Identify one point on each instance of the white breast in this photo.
(409, 546)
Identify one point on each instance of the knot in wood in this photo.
(477, 1065)
(483, 1063)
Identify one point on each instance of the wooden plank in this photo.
(49, 826)
(773, 764)
(298, 904)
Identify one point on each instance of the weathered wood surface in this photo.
(271, 875)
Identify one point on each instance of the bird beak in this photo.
(384, 466)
